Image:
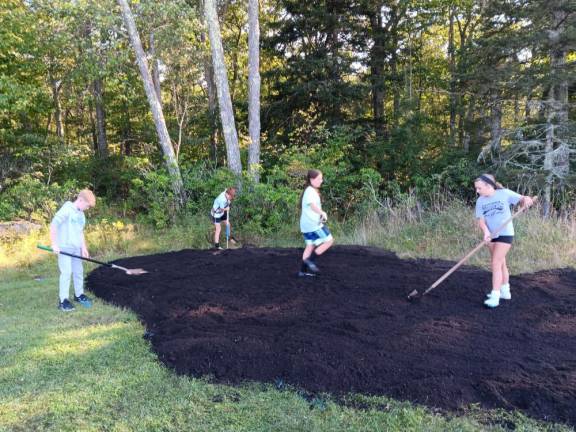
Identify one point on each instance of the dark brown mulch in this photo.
(244, 315)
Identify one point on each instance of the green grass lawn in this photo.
(92, 370)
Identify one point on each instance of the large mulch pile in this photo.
(244, 315)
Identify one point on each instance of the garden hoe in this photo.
(415, 295)
(133, 272)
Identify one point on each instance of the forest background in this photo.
(392, 100)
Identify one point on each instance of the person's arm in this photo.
(60, 216)
(482, 225)
(318, 210)
(85, 252)
(54, 238)
(526, 201)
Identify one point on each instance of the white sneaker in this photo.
(505, 293)
(493, 300)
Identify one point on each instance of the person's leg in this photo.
(324, 247)
(65, 266)
(498, 251)
(505, 272)
(217, 229)
(78, 274)
(498, 264)
(307, 251)
(505, 287)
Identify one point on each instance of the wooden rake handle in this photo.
(476, 249)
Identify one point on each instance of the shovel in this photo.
(414, 294)
(133, 272)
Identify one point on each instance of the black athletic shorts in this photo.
(223, 218)
(503, 239)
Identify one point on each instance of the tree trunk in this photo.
(155, 69)
(377, 73)
(254, 90)
(56, 86)
(223, 90)
(557, 151)
(155, 107)
(452, 66)
(126, 146)
(212, 103)
(495, 124)
(101, 142)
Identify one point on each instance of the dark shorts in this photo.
(223, 218)
(503, 239)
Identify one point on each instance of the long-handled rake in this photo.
(133, 272)
(414, 294)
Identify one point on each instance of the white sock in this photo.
(505, 286)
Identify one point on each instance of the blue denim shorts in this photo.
(317, 237)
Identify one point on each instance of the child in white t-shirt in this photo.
(316, 235)
(67, 235)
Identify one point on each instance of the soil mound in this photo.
(244, 315)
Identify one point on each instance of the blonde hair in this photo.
(88, 196)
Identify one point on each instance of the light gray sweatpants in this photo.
(70, 267)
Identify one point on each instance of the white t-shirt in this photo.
(309, 219)
(495, 210)
(69, 223)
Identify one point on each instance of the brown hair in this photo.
(88, 196)
(490, 180)
(231, 191)
(312, 174)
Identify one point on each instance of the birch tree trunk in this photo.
(222, 88)
(155, 68)
(155, 107)
(254, 89)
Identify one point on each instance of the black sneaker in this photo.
(83, 300)
(311, 265)
(65, 306)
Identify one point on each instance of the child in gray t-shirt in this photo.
(492, 210)
(67, 235)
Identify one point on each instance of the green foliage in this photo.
(29, 198)
(262, 209)
(152, 199)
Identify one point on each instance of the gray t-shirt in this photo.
(69, 223)
(495, 210)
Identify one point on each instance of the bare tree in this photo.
(101, 141)
(155, 107)
(254, 89)
(223, 90)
